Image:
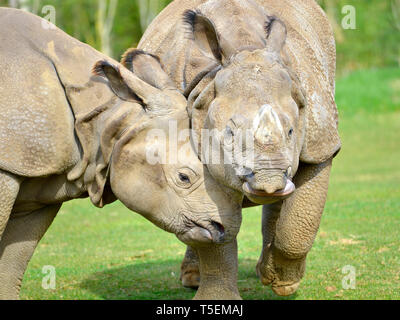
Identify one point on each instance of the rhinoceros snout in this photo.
(268, 181)
(265, 189)
(197, 235)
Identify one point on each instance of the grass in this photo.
(375, 41)
(116, 254)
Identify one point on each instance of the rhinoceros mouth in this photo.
(197, 234)
(262, 197)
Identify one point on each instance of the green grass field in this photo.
(116, 254)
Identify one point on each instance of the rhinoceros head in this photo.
(144, 151)
(252, 110)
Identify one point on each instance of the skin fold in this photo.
(265, 67)
(74, 124)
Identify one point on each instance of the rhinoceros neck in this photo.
(240, 23)
(72, 61)
(84, 91)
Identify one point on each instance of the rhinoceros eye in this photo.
(184, 178)
(290, 133)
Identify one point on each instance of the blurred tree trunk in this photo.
(27, 5)
(106, 11)
(149, 9)
(396, 12)
(396, 17)
(82, 27)
(13, 3)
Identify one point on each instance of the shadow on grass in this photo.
(160, 280)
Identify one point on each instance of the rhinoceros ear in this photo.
(198, 105)
(276, 34)
(203, 31)
(124, 83)
(147, 67)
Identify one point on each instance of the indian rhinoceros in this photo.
(69, 132)
(266, 67)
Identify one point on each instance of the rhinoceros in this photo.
(68, 131)
(266, 67)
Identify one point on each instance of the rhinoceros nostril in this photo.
(220, 229)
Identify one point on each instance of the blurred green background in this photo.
(112, 26)
(115, 254)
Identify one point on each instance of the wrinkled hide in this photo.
(70, 131)
(308, 52)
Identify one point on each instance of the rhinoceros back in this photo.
(36, 123)
(43, 74)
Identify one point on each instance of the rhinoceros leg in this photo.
(270, 215)
(190, 273)
(20, 239)
(282, 262)
(9, 187)
(218, 269)
(218, 265)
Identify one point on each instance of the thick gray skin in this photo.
(230, 66)
(67, 133)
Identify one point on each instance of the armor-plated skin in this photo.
(69, 131)
(269, 63)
